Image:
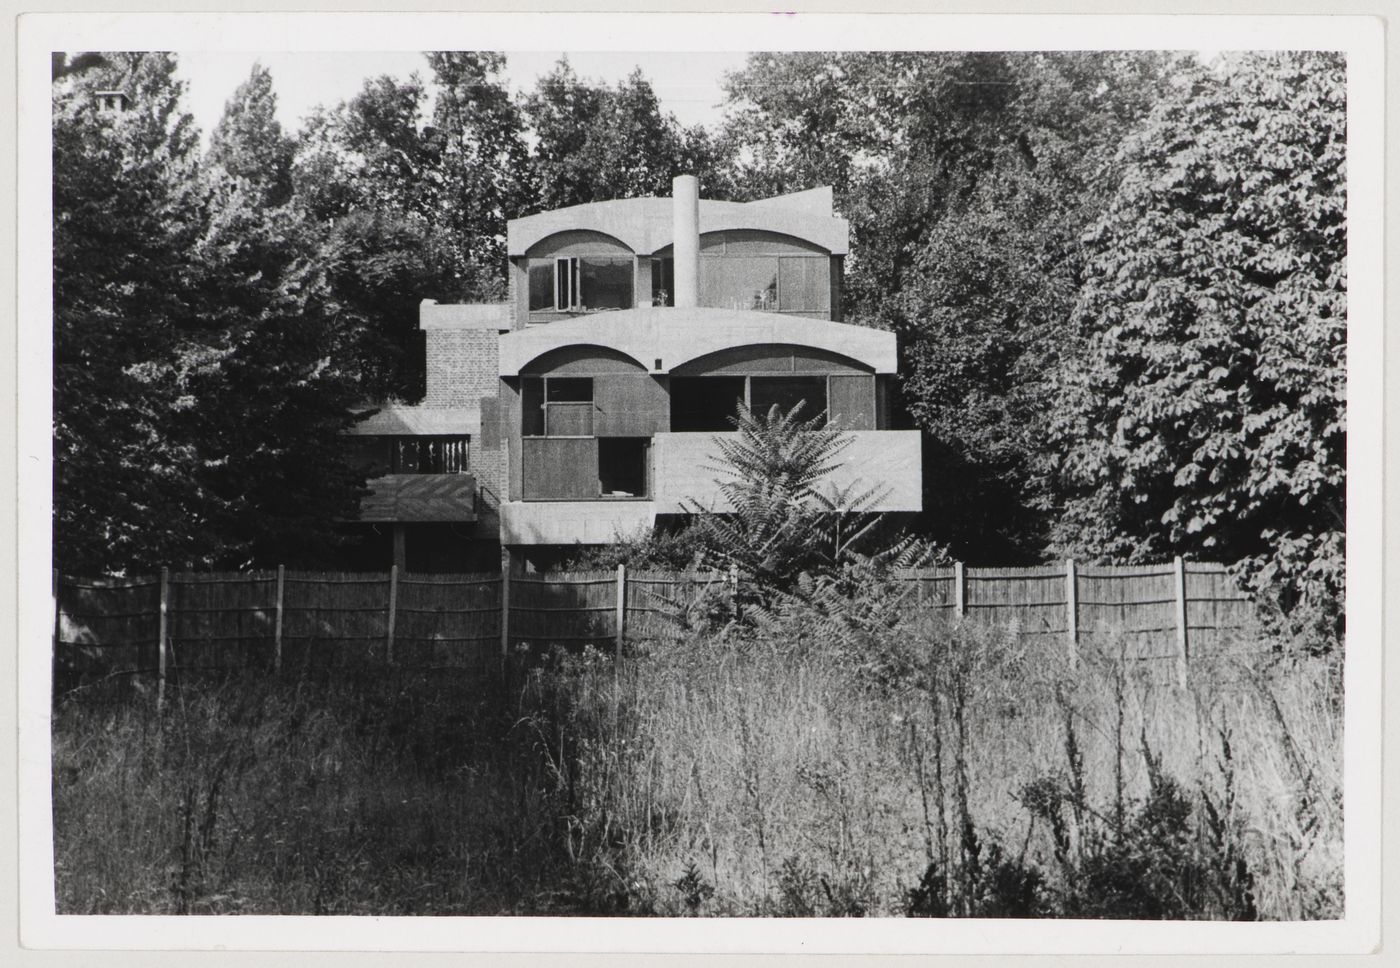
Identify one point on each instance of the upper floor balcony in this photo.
(420, 498)
(591, 491)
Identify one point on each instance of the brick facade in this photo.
(463, 372)
(462, 367)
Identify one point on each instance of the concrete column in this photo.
(685, 217)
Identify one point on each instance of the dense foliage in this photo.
(1118, 279)
(196, 405)
(968, 179)
(1206, 414)
(595, 142)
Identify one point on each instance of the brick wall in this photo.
(461, 366)
(462, 344)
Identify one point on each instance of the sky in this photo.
(687, 84)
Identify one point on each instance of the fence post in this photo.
(734, 590)
(621, 613)
(393, 613)
(161, 632)
(959, 589)
(57, 631)
(1182, 644)
(1072, 610)
(505, 605)
(277, 629)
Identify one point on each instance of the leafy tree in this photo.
(63, 64)
(595, 142)
(368, 152)
(984, 317)
(127, 212)
(477, 182)
(411, 207)
(196, 405)
(275, 405)
(968, 179)
(248, 141)
(1208, 416)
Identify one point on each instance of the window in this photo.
(428, 455)
(541, 285)
(568, 406)
(622, 467)
(786, 392)
(580, 284)
(804, 285)
(708, 403)
(604, 283)
(565, 283)
(704, 403)
(568, 389)
(663, 282)
(739, 283)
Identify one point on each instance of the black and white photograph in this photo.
(802, 483)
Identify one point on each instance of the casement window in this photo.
(556, 406)
(580, 284)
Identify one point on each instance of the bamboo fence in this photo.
(282, 620)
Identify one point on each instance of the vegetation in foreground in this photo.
(719, 778)
(819, 749)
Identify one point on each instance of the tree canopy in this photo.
(1207, 412)
(1118, 280)
(595, 142)
(195, 408)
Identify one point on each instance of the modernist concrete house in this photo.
(587, 406)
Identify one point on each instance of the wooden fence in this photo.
(279, 620)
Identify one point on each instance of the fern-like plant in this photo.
(779, 521)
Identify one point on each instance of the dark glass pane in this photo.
(371, 455)
(739, 283)
(705, 403)
(606, 283)
(804, 285)
(663, 282)
(786, 392)
(562, 284)
(622, 466)
(541, 284)
(531, 406)
(569, 389)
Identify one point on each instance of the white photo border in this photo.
(1361, 38)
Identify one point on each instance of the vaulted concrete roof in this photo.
(644, 224)
(661, 339)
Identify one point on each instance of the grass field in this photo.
(960, 772)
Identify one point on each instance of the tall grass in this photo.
(947, 771)
(370, 795)
(989, 779)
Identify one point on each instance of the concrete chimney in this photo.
(685, 218)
